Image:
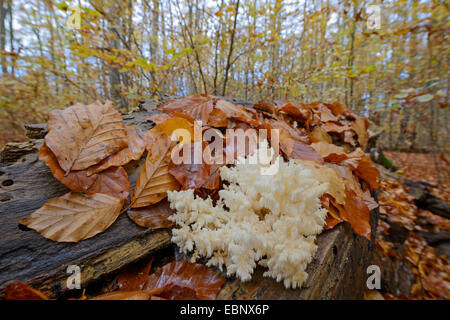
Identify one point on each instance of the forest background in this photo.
(385, 60)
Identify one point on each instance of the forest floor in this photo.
(412, 266)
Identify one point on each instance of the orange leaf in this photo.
(357, 213)
(21, 291)
(153, 217)
(217, 118)
(133, 277)
(202, 280)
(154, 180)
(360, 127)
(368, 172)
(74, 216)
(134, 151)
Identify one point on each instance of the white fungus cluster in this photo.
(267, 215)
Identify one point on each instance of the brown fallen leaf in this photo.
(330, 152)
(158, 118)
(325, 174)
(298, 111)
(331, 222)
(320, 135)
(154, 216)
(191, 174)
(367, 172)
(218, 119)
(336, 107)
(360, 126)
(205, 282)
(196, 106)
(128, 295)
(154, 180)
(356, 212)
(296, 149)
(134, 151)
(82, 135)
(21, 291)
(74, 216)
(74, 180)
(325, 113)
(133, 277)
(113, 181)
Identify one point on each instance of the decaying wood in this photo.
(338, 270)
(425, 199)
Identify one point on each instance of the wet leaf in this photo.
(74, 216)
(154, 216)
(199, 278)
(82, 135)
(21, 291)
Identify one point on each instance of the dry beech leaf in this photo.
(158, 118)
(74, 180)
(367, 172)
(356, 213)
(74, 216)
(336, 107)
(325, 113)
(321, 135)
(301, 111)
(204, 281)
(349, 178)
(360, 127)
(218, 119)
(113, 181)
(196, 106)
(154, 180)
(324, 174)
(296, 149)
(235, 111)
(331, 222)
(134, 151)
(194, 174)
(154, 216)
(21, 291)
(168, 127)
(82, 135)
(333, 127)
(330, 152)
(266, 105)
(133, 277)
(128, 295)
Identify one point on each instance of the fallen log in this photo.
(338, 270)
(425, 199)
